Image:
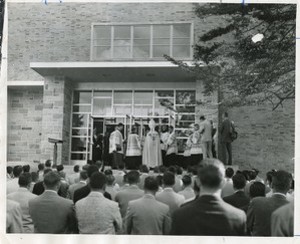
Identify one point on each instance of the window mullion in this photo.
(112, 42)
(171, 40)
(151, 41)
(131, 40)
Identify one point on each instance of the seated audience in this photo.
(85, 190)
(38, 188)
(23, 196)
(82, 182)
(168, 195)
(40, 171)
(50, 212)
(239, 198)
(188, 191)
(130, 193)
(261, 208)
(9, 173)
(74, 178)
(178, 183)
(110, 186)
(209, 214)
(282, 221)
(13, 185)
(95, 213)
(26, 168)
(227, 189)
(35, 179)
(147, 216)
(13, 217)
(144, 174)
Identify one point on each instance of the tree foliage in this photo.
(227, 59)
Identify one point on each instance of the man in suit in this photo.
(85, 190)
(261, 208)
(82, 182)
(282, 221)
(226, 149)
(132, 192)
(206, 138)
(13, 217)
(147, 216)
(168, 196)
(50, 212)
(209, 214)
(95, 213)
(38, 188)
(239, 198)
(23, 196)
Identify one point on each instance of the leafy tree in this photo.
(247, 72)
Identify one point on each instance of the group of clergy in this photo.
(156, 149)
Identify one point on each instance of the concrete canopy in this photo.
(115, 71)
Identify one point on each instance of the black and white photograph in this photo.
(148, 118)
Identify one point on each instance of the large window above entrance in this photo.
(141, 41)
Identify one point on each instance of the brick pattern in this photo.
(24, 124)
(62, 32)
(56, 117)
(266, 138)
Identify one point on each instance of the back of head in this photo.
(133, 177)
(108, 172)
(9, 169)
(34, 176)
(162, 169)
(229, 172)
(151, 184)
(239, 181)
(41, 166)
(85, 167)
(172, 169)
(83, 175)
(25, 179)
(26, 168)
(48, 163)
(281, 181)
(59, 168)
(97, 181)
(98, 164)
(91, 169)
(144, 169)
(110, 180)
(186, 180)
(168, 178)
(226, 114)
(269, 176)
(211, 173)
(257, 189)
(121, 166)
(252, 174)
(179, 170)
(156, 170)
(17, 170)
(202, 117)
(51, 179)
(159, 180)
(76, 168)
(47, 171)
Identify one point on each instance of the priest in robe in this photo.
(152, 151)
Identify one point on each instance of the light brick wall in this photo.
(266, 138)
(24, 124)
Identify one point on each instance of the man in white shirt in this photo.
(188, 191)
(116, 146)
(13, 185)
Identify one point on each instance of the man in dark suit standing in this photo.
(239, 198)
(261, 208)
(226, 130)
(209, 214)
(50, 212)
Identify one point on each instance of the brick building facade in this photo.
(51, 55)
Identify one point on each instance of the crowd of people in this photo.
(205, 199)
